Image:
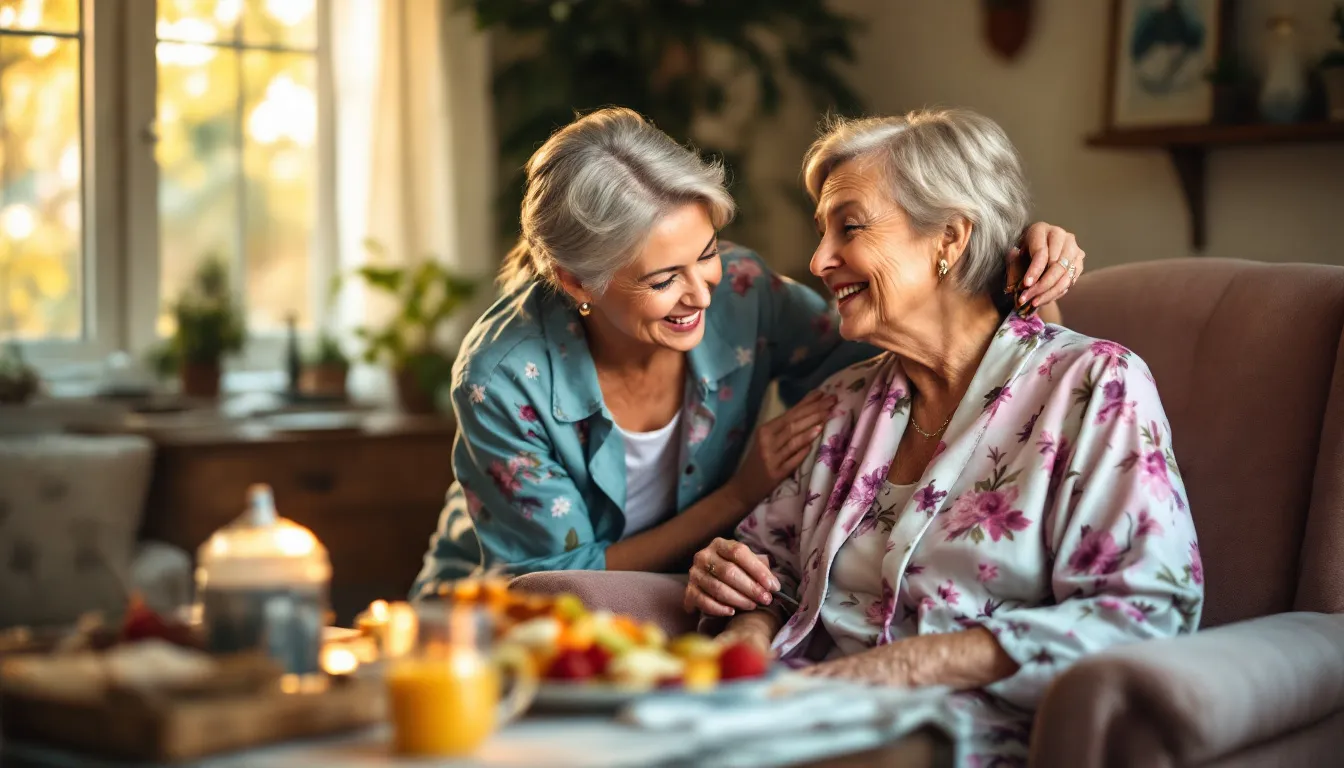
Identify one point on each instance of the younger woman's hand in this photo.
(727, 577)
(779, 446)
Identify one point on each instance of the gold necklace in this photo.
(928, 435)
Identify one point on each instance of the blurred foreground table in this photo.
(558, 742)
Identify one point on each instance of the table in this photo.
(522, 744)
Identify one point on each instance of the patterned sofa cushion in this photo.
(69, 510)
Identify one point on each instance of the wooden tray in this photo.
(127, 727)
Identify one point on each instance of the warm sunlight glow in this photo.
(185, 54)
(68, 168)
(228, 11)
(339, 661)
(18, 221)
(289, 111)
(43, 46)
(289, 12)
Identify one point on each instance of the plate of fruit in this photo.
(590, 660)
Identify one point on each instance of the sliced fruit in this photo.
(741, 660)
(653, 636)
(569, 607)
(599, 658)
(577, 635)
(571, 666)
(701, 674)
(695, 646)
(643, 667)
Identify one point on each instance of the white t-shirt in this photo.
(851, 609)
(651, 460)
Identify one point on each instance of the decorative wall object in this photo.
(1007, 26)
(1284, 92)
(1161, 52)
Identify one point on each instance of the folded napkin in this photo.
(790, 717)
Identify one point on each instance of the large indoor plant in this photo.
(1332, 68)
(674, 61)
(425, 296)
(209, 326)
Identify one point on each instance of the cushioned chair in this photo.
(70, 507)
(1247, 359)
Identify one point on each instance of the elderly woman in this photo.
(605, 401)
(992, 498)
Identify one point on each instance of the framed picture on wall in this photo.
(1160, 54)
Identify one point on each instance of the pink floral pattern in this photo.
(1045, 523)
(742, 273)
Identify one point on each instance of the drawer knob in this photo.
(316, 481)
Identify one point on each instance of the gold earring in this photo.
(585, 309)
(942, 268)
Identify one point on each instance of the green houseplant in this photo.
(1332, 68)
(425, 295)
(209, 325)
(655, 57)
(18, 380)
(326, 368)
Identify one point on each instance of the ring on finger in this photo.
(1064, 262)
(710, 568)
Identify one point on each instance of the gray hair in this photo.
(596, 189)
(939, 165)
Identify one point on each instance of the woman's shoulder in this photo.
(1063, 355)
(506, 347)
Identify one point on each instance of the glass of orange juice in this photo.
(446, 688)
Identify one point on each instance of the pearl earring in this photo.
(942, 268)
(585, 309)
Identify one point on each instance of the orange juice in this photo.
(443, 704)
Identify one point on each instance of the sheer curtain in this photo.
(415, 146)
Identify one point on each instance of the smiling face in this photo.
(880, 268)
(660, 298)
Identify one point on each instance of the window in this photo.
(237, 142)
(138, 138)
(41, 210)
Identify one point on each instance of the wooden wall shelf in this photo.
(1187, 146)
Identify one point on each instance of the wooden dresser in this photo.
(370, 487)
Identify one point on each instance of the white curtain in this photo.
(416, 154)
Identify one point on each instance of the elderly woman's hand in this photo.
(726, 577)
(1056, 264)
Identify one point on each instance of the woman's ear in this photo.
(571, 286)
(956, 236)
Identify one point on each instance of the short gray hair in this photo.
(596, 189)
(938, 165)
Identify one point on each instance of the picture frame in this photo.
(1159, 56)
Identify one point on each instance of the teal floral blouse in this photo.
(541, 470)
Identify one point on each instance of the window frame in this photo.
(121, 302)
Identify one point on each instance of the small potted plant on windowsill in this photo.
(209, 326)
(18, 380)
(1332, 69)
(326, 369)
(426, 295)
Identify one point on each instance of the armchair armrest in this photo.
(1193, 699)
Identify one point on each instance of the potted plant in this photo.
(18, 380)
(425, 297)
(1332, 68)
(326, 369)
(209, 326)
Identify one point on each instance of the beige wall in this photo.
(1272, 204)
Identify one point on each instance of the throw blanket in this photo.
(1053, 513)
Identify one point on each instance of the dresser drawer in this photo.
(198, 489)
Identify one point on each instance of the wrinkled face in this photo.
(661, 297)
(879, 267)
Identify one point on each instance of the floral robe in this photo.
(1052, 514)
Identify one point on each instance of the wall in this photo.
(1271, 204)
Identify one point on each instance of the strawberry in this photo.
(599, 658)
(741, 660)
(570, 665)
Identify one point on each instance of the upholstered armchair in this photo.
(1247, 359)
